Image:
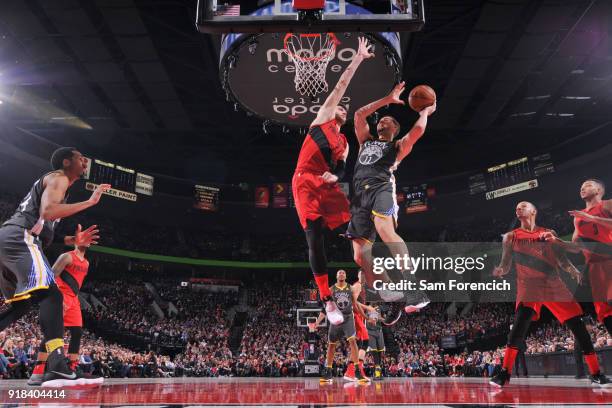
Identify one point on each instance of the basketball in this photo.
(421, 97)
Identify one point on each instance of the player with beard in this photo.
(374, 207)
(593, 227)
(319, 201)
(538, 284)
(27, 278)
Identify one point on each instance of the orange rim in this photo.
(332, 36)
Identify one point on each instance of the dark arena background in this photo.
(200, 289)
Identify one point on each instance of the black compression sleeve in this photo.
(340, 169)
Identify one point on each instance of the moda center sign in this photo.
(258, 74)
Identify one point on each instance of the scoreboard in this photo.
(125, 182)
(511, 177)
(120, 178)
(206, 198)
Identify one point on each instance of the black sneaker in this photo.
(58, 372)
(500, 379)
(415, 301)
(600, 380)
(85, 378)
(326, 375)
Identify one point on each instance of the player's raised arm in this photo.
(362, 129)
(51, 206)
(506, 262)
(328, 110)
(406, 143)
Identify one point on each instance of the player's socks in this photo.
(592, 363)
(323, 285)
(378, 373)
(37, 374)
(509, 358)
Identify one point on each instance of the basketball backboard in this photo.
(278, 16)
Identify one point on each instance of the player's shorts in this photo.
(371, 201)
(376, 341)
(360, 328)
(72, 311)
(600, 277)
(346, 330)
(23, 266)
(316, 199)
(563, 311)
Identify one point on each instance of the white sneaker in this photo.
(334, 315)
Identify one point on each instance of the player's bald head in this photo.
(526, 209)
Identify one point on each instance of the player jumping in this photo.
(537, 264)
(319, 202)
(26, 277)
(374, 207)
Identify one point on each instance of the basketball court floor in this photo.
(560, 391)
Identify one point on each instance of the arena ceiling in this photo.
(132, 81)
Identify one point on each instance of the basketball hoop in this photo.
(311, 53)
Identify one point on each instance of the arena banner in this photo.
(280, 195)
(113, 192)
(527, 185)
(532, 271)
(144, 184)
(262, 197)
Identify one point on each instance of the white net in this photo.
(310, 53)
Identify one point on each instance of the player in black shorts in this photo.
(374, 207)
(26, 277)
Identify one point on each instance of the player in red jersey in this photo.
(70, 270)
(319, 202)
(539, 284)
(593, 227)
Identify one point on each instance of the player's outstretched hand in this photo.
(429, 110)
(329, 178)
(364, 49)
(86, 237)
(395, 95)
(97, 194)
